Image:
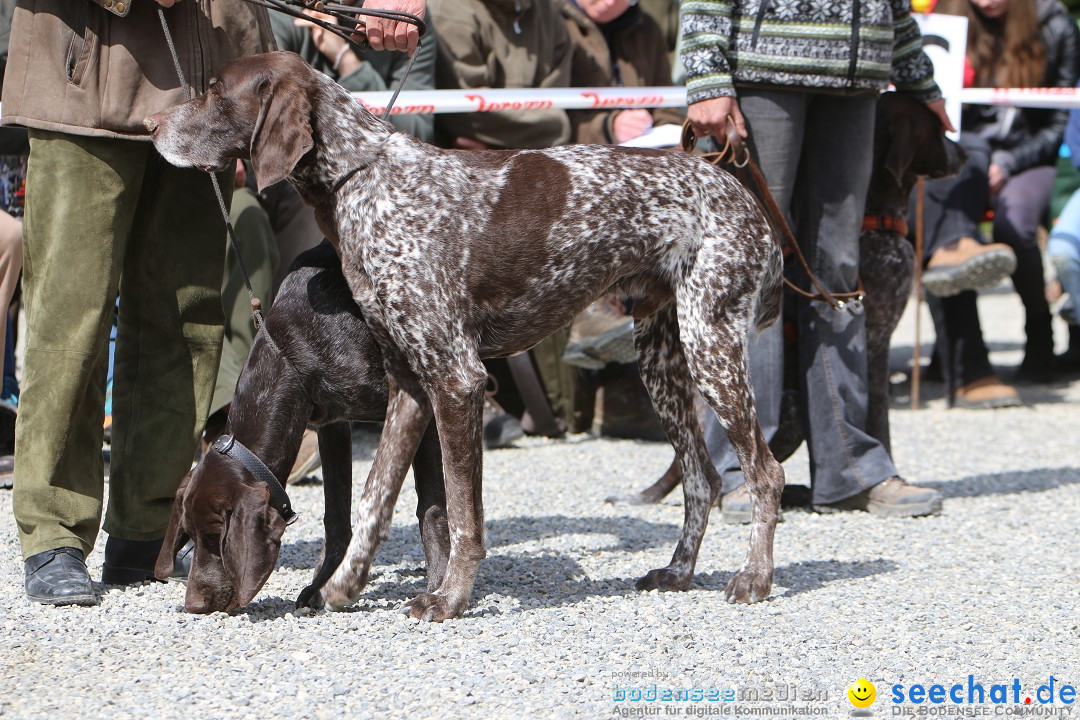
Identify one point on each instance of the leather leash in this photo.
(735, 153)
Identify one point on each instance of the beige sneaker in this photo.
(307, 459)
(735, 507)
(986, 394)
(967, 264)
(893, 497)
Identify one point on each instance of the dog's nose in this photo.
(150, 123)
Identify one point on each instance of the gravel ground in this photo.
(989, 588)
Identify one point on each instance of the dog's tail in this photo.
(772, 286)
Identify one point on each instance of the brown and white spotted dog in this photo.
(457, 256)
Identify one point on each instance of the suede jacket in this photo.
(502, 44)
(76, 67)
(629, 51)
(838, 45)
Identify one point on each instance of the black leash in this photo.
(350, 15)
(295, 8)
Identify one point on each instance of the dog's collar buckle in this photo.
(231, 447)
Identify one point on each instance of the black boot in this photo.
(1069, 361)
(1039, 364)
(128, 562)
(59, 577)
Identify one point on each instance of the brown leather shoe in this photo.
(893, 497)
(967, 264)
(986, 394)
(307, 459)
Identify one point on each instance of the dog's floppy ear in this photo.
(282, 131)
(175, 537)
(250, 542)
(898, 156)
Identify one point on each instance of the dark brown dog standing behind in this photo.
(314, 363)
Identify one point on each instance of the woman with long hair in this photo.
(1012, 155)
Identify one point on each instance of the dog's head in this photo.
(258, 107)
(909, 141)
(237, 535)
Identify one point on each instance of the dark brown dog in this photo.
(313, 363)
(908, 142)
(460, 256)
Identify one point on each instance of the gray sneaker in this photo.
(892, 497)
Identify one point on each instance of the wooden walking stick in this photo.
(916, 369)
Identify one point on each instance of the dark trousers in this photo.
(954, 208)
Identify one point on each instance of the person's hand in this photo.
(240, 178)
(711, 117)
(629, 124)
(391, 34)
(167, 3)
(997, 178)
(938, 107)
(464, 143)
(333, 47)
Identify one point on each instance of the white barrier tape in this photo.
(490, 100)
(1064, 98)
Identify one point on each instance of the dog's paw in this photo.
(631, 499)
(434, 607)
(664, 579)
(310, 597)
(748, 586)
(335, 596)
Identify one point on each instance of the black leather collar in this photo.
(231, 447)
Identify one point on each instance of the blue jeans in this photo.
(815, 151)
(1064, 248)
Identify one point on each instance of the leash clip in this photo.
(854, 306)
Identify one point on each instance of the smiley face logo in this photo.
(862, 693)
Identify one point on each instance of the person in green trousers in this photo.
(105, 214)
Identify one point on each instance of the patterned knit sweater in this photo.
(845, 45)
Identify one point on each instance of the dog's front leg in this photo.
(335, 449)
(457, 398)
(431, 506)
(407, 415)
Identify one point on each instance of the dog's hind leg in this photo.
(457, 398)
(667, 377)
(431, 506)
(407, 416)
(335, 449)
(716, 352)
(655, 492)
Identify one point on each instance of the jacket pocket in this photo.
(80, 43)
